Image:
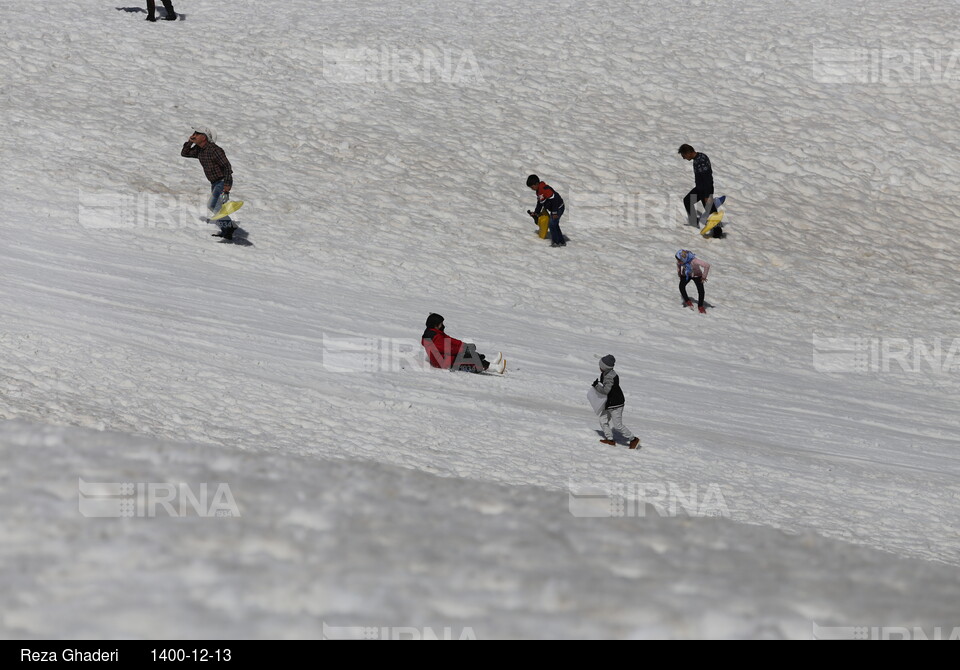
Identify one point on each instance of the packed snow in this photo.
(382, 150)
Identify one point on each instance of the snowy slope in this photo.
(373, 202)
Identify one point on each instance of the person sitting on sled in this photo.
(449, 353)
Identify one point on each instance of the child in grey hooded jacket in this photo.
(608, 384)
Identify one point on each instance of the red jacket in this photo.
(442, 350)
(547, 199)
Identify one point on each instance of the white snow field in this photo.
(812, 415)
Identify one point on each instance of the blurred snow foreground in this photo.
(212, 440)
(352, 549)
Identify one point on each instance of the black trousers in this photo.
(690, 199)
(683, 288)
(167, 5)
(468, 360)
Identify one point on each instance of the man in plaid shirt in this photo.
(218, 171)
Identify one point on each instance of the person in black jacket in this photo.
(702, 191)
(608, 384)
(167, 5)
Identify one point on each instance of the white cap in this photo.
(211, 135)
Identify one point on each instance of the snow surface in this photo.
(391, 496)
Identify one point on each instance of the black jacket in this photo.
(703, 173)
(614, 395)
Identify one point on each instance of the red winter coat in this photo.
(442, 350)
(547, 199)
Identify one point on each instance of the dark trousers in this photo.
(167, 5)
(556, 236)
(689, 201)
(683, 288)
(468, 360)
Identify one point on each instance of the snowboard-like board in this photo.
(597, 400)
(228, 208)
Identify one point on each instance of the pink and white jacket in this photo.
(694, 268)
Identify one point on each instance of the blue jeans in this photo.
(556, 237)
(217, 198)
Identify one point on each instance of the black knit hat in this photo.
(434, 321)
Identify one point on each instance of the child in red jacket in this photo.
(549, 200)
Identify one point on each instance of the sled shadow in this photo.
(240, 238)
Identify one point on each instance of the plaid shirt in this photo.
(213, 160)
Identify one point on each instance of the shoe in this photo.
(170, 17)
(486, 364)
(702, 309)
(151, 18)
(688, 303)
(634, 443)
(226, 233)
(554, 244)
(609, 442)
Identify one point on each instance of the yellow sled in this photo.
(712, 222)
(543, 222)
(228, 208)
